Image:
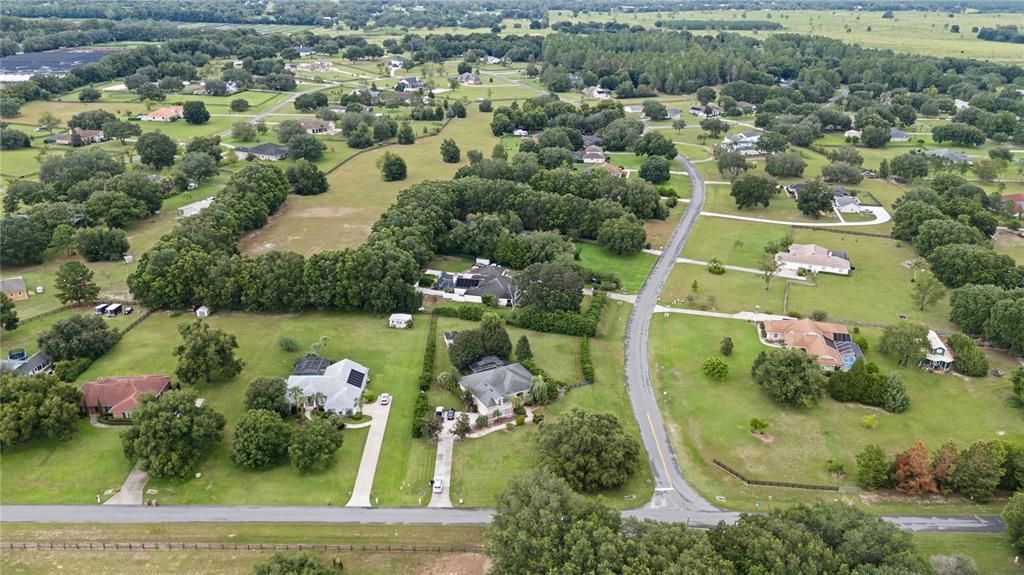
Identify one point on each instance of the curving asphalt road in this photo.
(674, 499)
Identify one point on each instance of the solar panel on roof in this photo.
(355, 378)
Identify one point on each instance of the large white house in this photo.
(814, 259)
(494, 390)
(335, 387)
(744, 143)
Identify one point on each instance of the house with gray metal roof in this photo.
(947, 155)
(494, 390)
(337, 387)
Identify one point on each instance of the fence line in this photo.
(47, 313)
(142, 317)
(849, 232)
(744, 479)
(181, 546)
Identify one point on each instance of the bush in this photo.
(69, 369)
(970, 359)
(586, 364)
(429, 353)
(287, 344)
(819, 315)
(419, 412)
(726, 346)
(758, 425)
(716, 267)
(715, 368)
(520, 420)
(835, 467)
(481, 421)
(538, 418)
(369, 397)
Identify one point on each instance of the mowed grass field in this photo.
(710, 419)
(917, 32)
(632, 269)
(342, 217)
(482, 466)
(92, 462)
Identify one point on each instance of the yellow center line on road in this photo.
(661, 455)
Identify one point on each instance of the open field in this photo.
(482, 466)
(358, 195)
(734, 242)
(392, 356)
(632, 270)
(922, 33)
(991, 552)
(709, 419)
(730, 292)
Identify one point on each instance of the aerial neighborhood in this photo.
(560, 287)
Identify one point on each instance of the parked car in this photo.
(128, 310)
(439, 411)
(451, 414)
(438, 485)
(385, 398)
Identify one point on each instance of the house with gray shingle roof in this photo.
(947, 155)
(494, 390)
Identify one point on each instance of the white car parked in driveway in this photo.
(438, 486)
(385, 398)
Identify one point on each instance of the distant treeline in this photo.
(38, 35)
(718, 25)
(1002, 34)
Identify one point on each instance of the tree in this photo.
(872, 468)
(655, 169)
(78, 336)
(450, 153)
(909, 217)
(875, 136)
(97, 244)
(958, 134)
(205, 354)
(551, 286)
(979, 470)
(1013, 518)
(752, 190)
(243, 131)
(1003, 325)
(11, 139)
(523, 351)
(623, 235)
(715, 368)
(9, 316)
(1017, 380)
(361, 137)
(904, 340)
(789, 376)
(549, 158)
(49, 122)
(970, 359)
(267, 393)
(303, 563)
(705, 95)
(115, 209)
(91, 119)
(73, 283)
(785, 165)
(654, 110)
(957, 265)
(194, 112)
(239, 105)
(406, 136)
(462, 426)
(89, 94)
(261, 439)
(726, 346)
(288, 129)
(655, 144)
(541, 392)
(769, 266)
(494, 340)
(909, 166)
(894, 394)
(305, 147)
(310, 102)
(171, 435)
(842, 172)
(306, 179)
(392, 167)
(590, 451)
(714, 126)
(156, 150)
(121, 131)
(815, 198)
(912, 471)
(927, 290)
(36, 407)
(314, 445)
(194, 168)
(679, 124)
(932, 234)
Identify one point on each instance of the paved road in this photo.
(671, 491)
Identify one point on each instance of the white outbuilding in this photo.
(400, 320)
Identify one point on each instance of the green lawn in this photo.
(878, 290)
(730, 292)
(449, 263)
(632, 269)
(393, 357)
(992, 552)
(709, 419)
(482, 466)
(734, 242)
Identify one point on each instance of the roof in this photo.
(935, 344)
(491, 387)
(1018, 202)
(812, 254)
(400, 317)
(948, 155)
(12, 285)
(830, 343)
(195, 207)
(122, 393)
(488, 280)
(311, 365)
(33, 363)
(342, 383)
(486, 363)
(842, 201)
(895, 132)
(166, 112)
(611, 169)
(267, 149)
(315, 124)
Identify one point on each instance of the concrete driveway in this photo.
(132, 490)
(443, 464)
(371, 453)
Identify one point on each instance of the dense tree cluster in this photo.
(590, 451)
(992, 312)
(864, 383)
(472, 344)
(789, 376)
(171, 434)
(38, 407)
(541, 526)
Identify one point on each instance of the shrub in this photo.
(287, 344)
(715, 368)
(369, 397)
(873, 467)
(970, 359)
(427, 369)
(481, 421)
(758, 425)
(869, 421)
(419, 412)
(716, 267)
(586, 364)
(835, 467)
(819, 315)
(861, 342)
(538, 418)
(520, 420)
(69, 369)
(726, 346)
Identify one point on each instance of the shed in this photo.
(400, 320)
(202, 311)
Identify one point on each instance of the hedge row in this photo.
(563, 322)
(419, 412)
(427, 371)
(586, 364)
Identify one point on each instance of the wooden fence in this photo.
(176, 546)
(744, 479)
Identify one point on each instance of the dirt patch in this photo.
(458, 564)
(764, 437)
(325, 212)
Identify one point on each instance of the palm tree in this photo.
(540, 390)
(918, 264)
(297, 398)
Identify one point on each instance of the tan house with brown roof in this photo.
(830, 344)
(166, 114)
(317, 126)
(14, 288)
(815, 259)
(118, 396)
(84, 137)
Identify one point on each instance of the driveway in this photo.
(443, 464)
(371, 453)
(132, 490)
